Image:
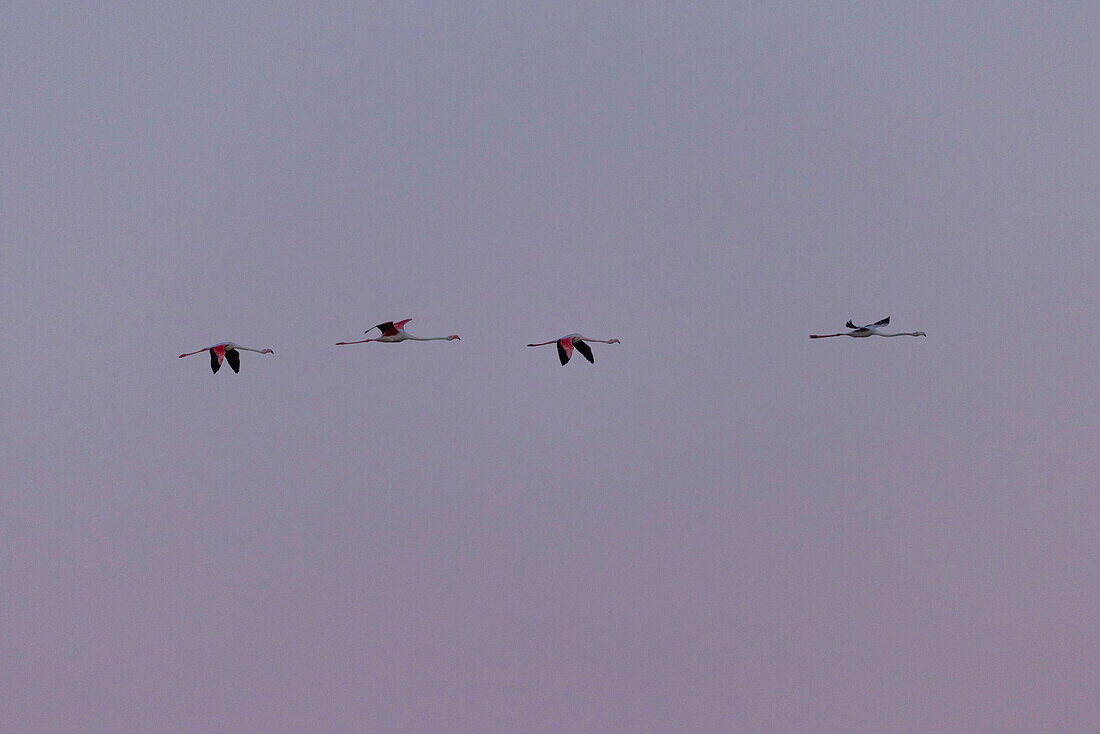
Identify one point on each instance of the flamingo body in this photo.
(569, 342)
(228, 352)
(861, 332)
(394, 331)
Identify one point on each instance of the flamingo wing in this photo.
(390, 328)
(387, 329)
(215, 360)
(584, 349)
(565, 350)
(233, 357)
(868, 327)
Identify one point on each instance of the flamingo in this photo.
(569, 341)
(229, 351)
(394, 331)
(869, 330)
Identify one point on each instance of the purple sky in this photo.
(720, 526)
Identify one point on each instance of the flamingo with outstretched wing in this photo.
(868, 330)
(569, 342)
(394, 331)
(228, 351)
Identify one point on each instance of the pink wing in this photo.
(565, 349)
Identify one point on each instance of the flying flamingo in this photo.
(869, 330)
(394, 331)
(229, 351)
(569, 341)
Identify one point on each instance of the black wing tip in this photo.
(562, 354)
(584, 349)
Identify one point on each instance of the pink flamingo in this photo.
(394, 331)
(869, 330)
(569, 341)
(228, 351)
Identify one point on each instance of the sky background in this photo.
(719, 526)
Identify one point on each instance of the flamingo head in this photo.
(267, 351)
(613, 341)
(920, 333)
(452, 337)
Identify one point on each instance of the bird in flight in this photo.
(394, 331)
(868, 330)
(228, 351)
(567, 343)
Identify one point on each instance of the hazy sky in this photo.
(719, 526)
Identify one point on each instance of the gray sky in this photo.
(719, 526)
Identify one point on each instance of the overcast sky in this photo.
(719, 526)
